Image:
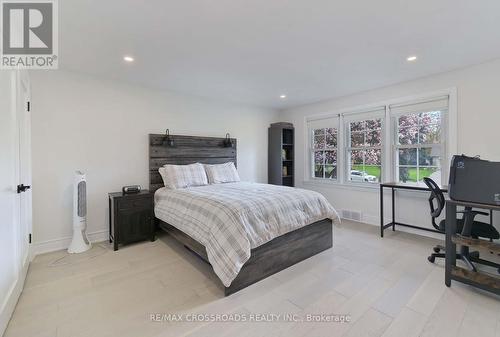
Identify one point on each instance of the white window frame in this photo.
(378, 112)
(443, 145)
(324, 149)
(388, 157)
(332, 121)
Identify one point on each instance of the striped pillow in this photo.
(222, 173)
(182, 176)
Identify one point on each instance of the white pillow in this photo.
(182, 176)
(222, 173)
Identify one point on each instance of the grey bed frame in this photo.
(265, 260)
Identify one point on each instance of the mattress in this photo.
(233, 218)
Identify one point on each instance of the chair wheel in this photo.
(431, 259)
(436, 249)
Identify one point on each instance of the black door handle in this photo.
(21, 188)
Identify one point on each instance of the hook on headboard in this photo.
(169, 141)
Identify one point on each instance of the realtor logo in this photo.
(29, 34)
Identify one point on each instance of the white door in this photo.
(23, 108)
(15, 208)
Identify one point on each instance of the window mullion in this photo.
(324, 153)
(418, 164)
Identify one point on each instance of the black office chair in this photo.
(467, 226)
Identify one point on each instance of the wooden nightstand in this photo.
(131, 217)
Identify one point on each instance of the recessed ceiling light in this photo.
(128, 59)
(411, 58)
(282, 96)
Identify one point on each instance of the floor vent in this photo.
(351, 215)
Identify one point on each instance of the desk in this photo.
(393, 223)
(452, 272)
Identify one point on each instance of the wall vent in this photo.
(351, 215)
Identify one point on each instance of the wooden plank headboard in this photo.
(186, 150)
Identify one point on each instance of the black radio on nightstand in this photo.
(131, 189)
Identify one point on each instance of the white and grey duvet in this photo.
(231, 219)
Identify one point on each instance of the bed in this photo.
(246, 231)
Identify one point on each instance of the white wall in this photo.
(102, 127)
(478, 128)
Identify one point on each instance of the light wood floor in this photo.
(386, 286)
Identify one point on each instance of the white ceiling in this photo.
(252, 51)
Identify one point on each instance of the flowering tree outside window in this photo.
(415, 140)
(364, 150)
(419, 146)
(324, 153)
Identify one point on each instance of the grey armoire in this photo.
(281, 154)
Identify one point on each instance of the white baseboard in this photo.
(9, 304)
(59, 244)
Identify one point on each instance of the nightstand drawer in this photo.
(138, 203)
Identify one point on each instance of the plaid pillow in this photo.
(182, 176)
(222, 173)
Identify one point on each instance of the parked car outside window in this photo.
(362, 176)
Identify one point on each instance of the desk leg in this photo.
(393, 211)
(451, 248)
(381, 211)
(109, 211)
(466, 231)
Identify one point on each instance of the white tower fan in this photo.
(80, 242)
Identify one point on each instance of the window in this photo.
(364, 146)
(402, 142)
(323, 152)
(419, 146)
